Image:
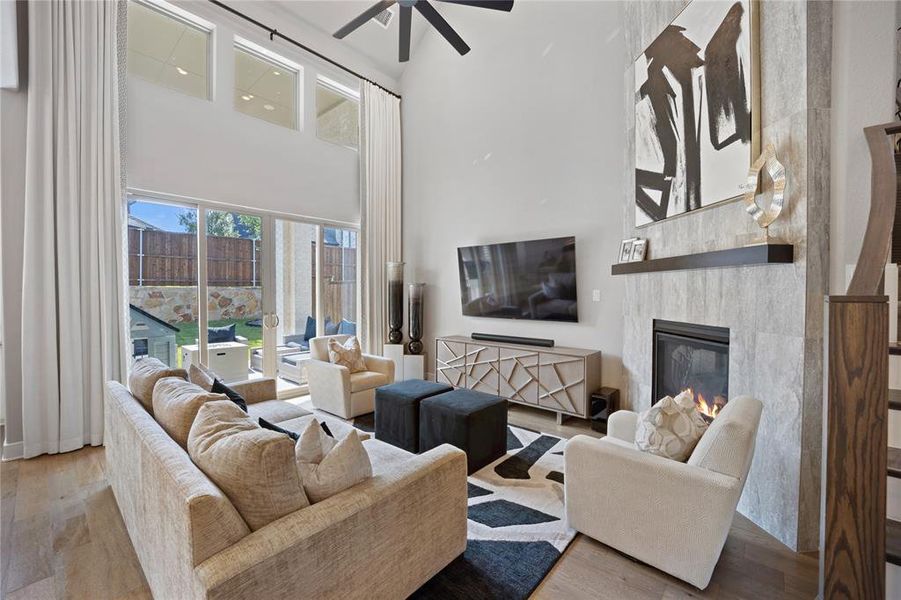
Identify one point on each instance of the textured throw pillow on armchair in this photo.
(671, 428)
(348, 355)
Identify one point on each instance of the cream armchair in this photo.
(335, 389)
(673, 516)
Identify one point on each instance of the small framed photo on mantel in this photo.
(625, 250)
(639, 249)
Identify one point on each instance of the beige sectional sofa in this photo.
(382, 538)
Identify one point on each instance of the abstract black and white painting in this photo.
(693, 100)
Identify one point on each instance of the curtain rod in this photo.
(274, 33)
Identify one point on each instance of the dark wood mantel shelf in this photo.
(763, 254)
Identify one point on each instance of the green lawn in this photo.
(187, 332)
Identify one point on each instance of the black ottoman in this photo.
(397, 411)
(472, 421)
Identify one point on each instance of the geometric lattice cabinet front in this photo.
(557, 379)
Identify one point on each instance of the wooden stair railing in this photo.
(856, 403)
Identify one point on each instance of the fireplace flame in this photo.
(707, 409)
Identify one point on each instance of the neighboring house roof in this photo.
(139, 223)
(152, 318)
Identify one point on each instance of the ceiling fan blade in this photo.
(505, 5)
(432, 16)
(406, 22)
(363, 17)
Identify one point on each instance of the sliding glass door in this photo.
(234, 291)
(290, 309)
(244, 298)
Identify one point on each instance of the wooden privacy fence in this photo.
(162, 258)
(169, 258)
(339, 294)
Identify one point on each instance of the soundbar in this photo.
(513, 339)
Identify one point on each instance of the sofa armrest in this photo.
(256, 390)
(382, 538)
(668, 514)
(329, 386)
(380, 364)
(622, 425)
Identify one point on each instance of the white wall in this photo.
(187, 146)
(863, 89)
(521, 138)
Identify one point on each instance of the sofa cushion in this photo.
(366, 380)
(328, 466)
(176, 403)
(275, 411)
(202, 376)
(349, 354)
(671, 428)
(253, 466)
(292, 434)
(385, 457)
(144, 374)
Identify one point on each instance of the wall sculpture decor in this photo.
(774, 201)
(696, 110)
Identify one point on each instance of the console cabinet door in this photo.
(450, 363)
(562, 383)
(481, 368)
(518, 375)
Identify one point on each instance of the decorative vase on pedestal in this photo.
(415, 314)
(395, 301)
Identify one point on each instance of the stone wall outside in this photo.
(178, 304)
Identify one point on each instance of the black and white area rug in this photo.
(517, 524)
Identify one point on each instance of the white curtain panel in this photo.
(381, 207)
(73, 321)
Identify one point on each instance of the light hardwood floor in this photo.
(63, 537)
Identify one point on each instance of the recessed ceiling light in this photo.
(181, 71)
(268, 107)
(247, 97)
(276, 72)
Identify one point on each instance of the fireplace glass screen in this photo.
(692, 357)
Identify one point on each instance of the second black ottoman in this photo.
(397, 411)
(473, 421)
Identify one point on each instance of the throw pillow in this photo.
(202, 376)
(216, 335)
(348, 355)
(671, 428)
(309, 331)
(327, 466)
(221, 388)
(144, 374)
(176, 403)
(254, 467)
(292, 434)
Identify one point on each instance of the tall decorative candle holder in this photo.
(415, 316)
(395, 301)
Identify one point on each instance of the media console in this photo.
(557, 379)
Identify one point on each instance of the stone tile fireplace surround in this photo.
(773, 312)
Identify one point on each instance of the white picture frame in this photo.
(625, 250)
(639, 249)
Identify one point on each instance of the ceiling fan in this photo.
(431, 15)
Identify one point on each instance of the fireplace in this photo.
(691, 357)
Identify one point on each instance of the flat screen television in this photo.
(534, 279)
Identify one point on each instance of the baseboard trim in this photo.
(13, 451)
